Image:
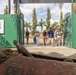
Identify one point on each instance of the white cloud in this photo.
(52, 21)
(55, 10)
(38, 28)
(43, 13)
(40, 9)
(66, 8)
(12, 7)
(28, 8)
(38, 20)
(3, 4)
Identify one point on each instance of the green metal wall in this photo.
(67, 30)
(21, 28)
(11, 30)
(74, 30)
(70, 30)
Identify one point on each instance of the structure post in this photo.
(9, 6)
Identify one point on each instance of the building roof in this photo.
(44, 1)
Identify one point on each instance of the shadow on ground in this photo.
(55, 54)
(73, 56)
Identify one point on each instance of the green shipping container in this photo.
(11, 28)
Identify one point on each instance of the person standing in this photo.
(44, 37)
(34, 39)
(55, 37)
(37, 38)
(59, 36)
(51, 36)
(27, 36)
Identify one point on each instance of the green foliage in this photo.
(41, 23)
(6, 10)
(48, 20)
(34, 21)
(20, 11)
(61, 15)
(54, 25)
(27, 25)
(61, 20)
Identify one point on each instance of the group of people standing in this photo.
(54, 37)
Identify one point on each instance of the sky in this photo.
(41, 10)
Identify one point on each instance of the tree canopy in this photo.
(34, 21)
(48, 20)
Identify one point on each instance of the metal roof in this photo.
(44, 1)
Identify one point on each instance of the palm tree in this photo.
(27, 25)
(61, 15)
(54, 25)
(41, 24)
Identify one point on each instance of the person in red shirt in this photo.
(44, 37)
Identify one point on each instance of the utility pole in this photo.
(15, 8)
(18, 8)
(74, 8)
(9, 3)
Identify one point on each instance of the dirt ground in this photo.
(57, 51)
